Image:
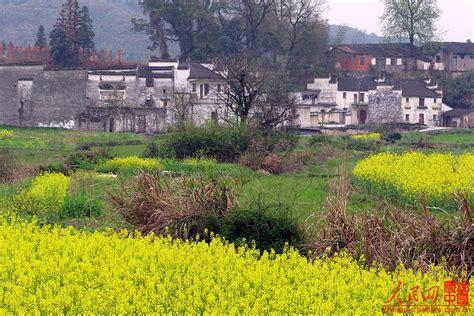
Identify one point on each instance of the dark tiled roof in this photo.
(114, 67)
(356, 84)
(458, 112)
(160, 68)
(198, 71)
(112, 73)
(157, 59)
(458, 47)
(382, 50)
(417, 88)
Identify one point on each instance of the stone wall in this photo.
(55, 98)
(385, 106)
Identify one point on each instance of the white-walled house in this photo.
(336, 101)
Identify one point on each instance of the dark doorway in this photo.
(112, 125)
(141, 124)
(421, 119)
(362, 117)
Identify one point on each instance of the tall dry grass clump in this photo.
(178, 206)
(395, 235)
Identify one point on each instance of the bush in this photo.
(213, 141)
(152, 150)
(57, 166)
(81, 206)
(268, 228)
(46, 196)
(392, 137)
(181, 207)
(87, 159)
(5, 133)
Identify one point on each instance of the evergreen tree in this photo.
(85, 33)
(61, 47)
(41, 40)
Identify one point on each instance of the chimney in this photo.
(111, 57)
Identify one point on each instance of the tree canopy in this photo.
(41, 40)
(72, 38)
(288, 31)
(414, 20)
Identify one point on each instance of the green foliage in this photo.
(41, 40)
(85, 33)
(130, 165)
(79, 206)
(57, 166)
(212, 141)
(457, 91)
(413, 19)
(61, 47)
(266, 227)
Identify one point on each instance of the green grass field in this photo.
(302, 193)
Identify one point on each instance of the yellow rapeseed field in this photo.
(367, 137)
(45, 197)
(52, 270)
(409, 175)
(132, 163)
(6, 133)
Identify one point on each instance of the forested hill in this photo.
(20, 19)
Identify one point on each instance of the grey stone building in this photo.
(130, 98)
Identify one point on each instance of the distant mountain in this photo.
(20, 20)
(353, 35)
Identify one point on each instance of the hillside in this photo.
(21, 18)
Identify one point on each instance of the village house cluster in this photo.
(367, 86)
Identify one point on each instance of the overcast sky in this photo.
(456, 22)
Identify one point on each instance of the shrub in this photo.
(57, 166)
(130, 165)
(152, 150)
(86, 160)
(46, 196)
(79, 206)
(201, 163)
(212, 141)
(392, 137)
(267, 227)
(181, 207)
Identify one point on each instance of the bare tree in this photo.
(297, 16)
(182, 106)
(256, 93)
(412, 19)
(253, 13)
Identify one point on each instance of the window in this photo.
(435, 101)
(206, 89)
(407, 117)
(218, 88)
(407, 100)
(434, 117)
(399, 61)
(374, 61)
(361, 98)
(344, 95)
(194, 88)
(362, 60)
(378, 100)
(438, 59)
(355, 98)
(421, 102)
(393, 61)
(165, 103)
(387, 61)
(164, 91)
